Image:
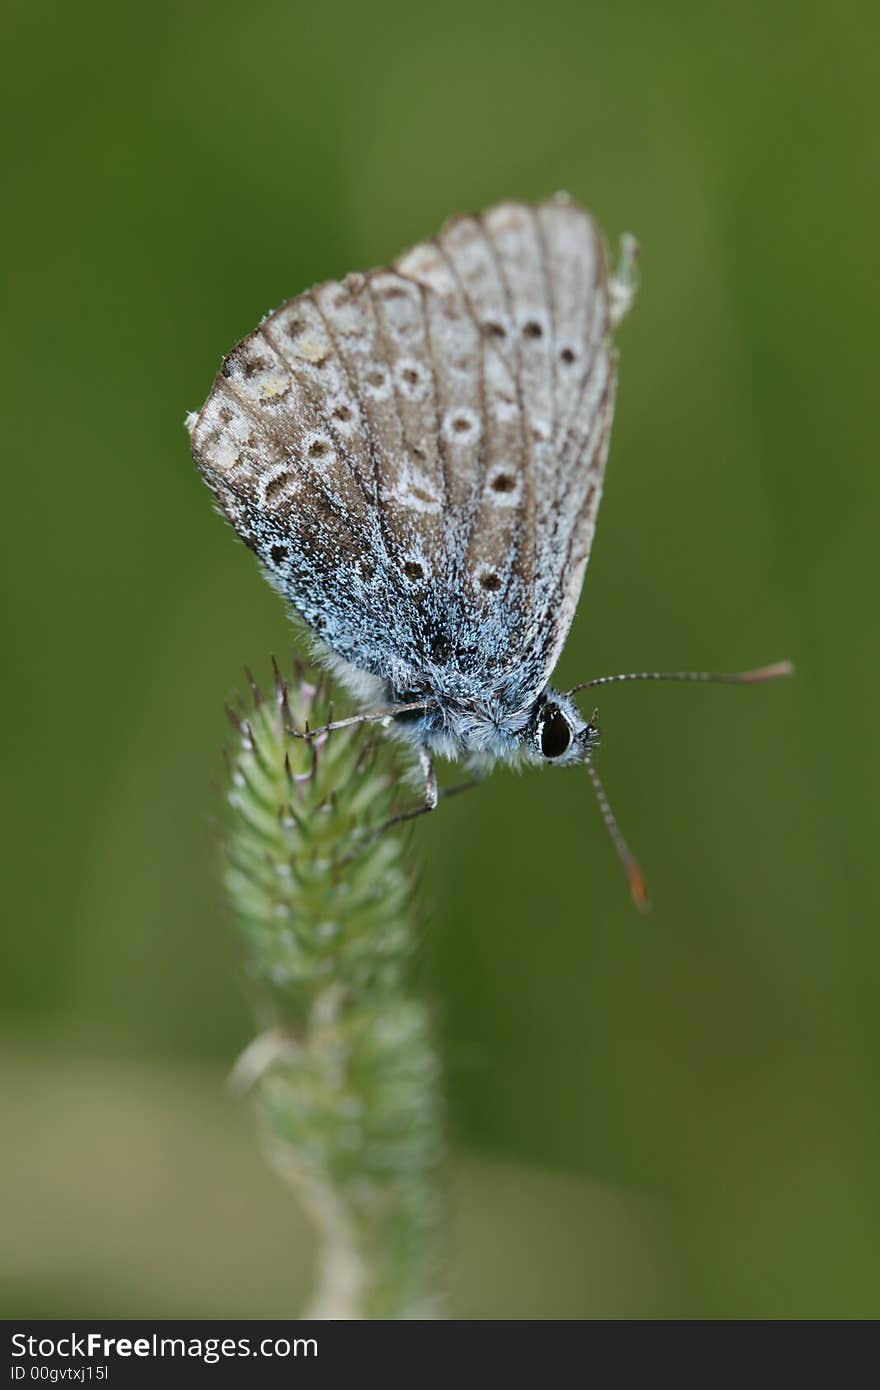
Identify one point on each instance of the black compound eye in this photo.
(555, 732)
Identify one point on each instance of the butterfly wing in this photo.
(534, 283)
(416, 454)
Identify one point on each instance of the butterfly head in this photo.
(557, 731)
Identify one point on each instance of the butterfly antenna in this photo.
(778, 671)
(633, 872)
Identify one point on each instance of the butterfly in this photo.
(416, 456)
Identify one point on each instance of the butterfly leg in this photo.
(461, 786)
(429, 804)
(369, 716)
(432, 794)
(432, 797)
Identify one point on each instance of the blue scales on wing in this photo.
(416, 454)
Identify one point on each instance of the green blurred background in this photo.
(664, 1117)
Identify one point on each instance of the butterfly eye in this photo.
(555, 733)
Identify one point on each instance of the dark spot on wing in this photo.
(503, 482)
(274, 486)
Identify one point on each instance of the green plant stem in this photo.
(344, 1071)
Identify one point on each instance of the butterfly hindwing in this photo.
(536, 280)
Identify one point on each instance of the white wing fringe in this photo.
(625, 281)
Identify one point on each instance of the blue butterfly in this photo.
(416, 455)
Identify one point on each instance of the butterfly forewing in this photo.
(416, 454)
